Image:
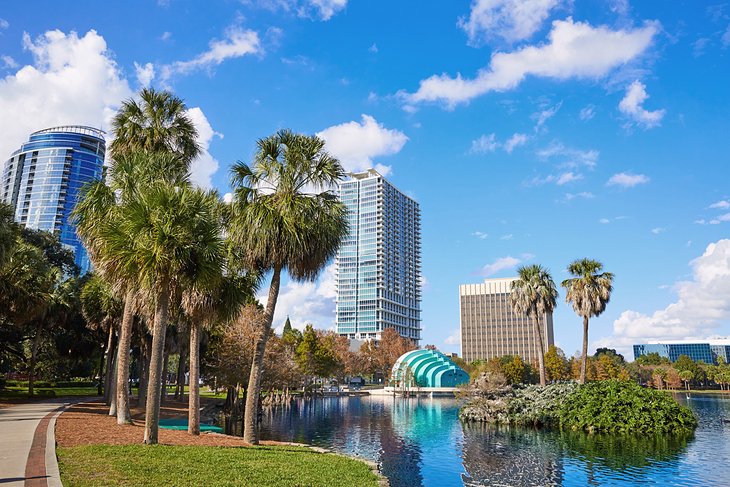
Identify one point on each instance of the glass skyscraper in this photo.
(42, 180)
(379, 263)
(708, 353)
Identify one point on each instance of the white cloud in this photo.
(356, 144)
(544, 115)
(73, 80)
(701, 308)
(587, 112)
(306, 302)
(145, 74)
(558, 179)
(512, 20)
(373, 48)
(228, 198)
(515, 141)
(205, 165)
(658, 230)
(424, 283)
(8, 62)
(720, 219)
(509, 236)
(726, 37)
(631, 106)
(166, 36)
(4, 24)
(454, 338)
(328, 8)
(604, 221)
(503, 263)
(484, 144)
(567, 177)
(627, 180)
(574, 50)
(582, 195)
(569, 157)
(722, 204)
(480, 235)
(237, 43)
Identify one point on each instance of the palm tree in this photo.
(589, 292)
(97, 218)
(204, 307)
(158, 122)
(8, 232)
(284, 217)
(171, 237)
(534, 294)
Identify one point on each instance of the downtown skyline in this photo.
(591, 129)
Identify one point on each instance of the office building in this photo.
(490, 327)
(42, 180)
(379, 263)
(708, 353)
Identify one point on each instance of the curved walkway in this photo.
(28, 443)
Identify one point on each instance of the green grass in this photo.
(14, 392)
(211, 466)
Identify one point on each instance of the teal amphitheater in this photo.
(427, 368)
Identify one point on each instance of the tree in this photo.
(514, 369)
(652, 359)
(158, 122)
(316, 355)
(611, 352)
(589, 292)
(556, 365)
(284, 218)
(534, 294)
(686, 376)
(8, 232)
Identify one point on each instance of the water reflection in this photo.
(419, 441)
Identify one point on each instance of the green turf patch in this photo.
(163, 465)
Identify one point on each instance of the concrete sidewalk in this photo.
(28, 443)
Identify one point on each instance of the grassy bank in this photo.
(204, 465)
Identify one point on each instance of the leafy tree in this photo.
(284, 218)
(686, 376)
(514, 369)
(652, 359)
(611, 352)
(556, 365)
(8, 233)
(534, 294)
(315, 355)
(589, 292)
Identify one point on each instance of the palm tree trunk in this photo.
(33, 358)
(165, 373)
(194, 394)
(113, 387)
(540, 352)
(125, 339)
(152, 414)
(250, 433)
(108, 377)
(584, 357)
(144, 375)
(180, 388)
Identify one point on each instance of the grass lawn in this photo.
(207, 465)
(14, 392)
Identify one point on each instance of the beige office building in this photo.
(490, 328)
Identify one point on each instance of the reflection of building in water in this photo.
(510, 456)
(490, 327)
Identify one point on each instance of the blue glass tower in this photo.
(43, 178)
(379, 263)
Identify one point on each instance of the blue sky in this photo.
(530, 132)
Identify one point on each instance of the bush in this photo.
(623, 407)
(537, 405)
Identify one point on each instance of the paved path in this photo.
(28, 443)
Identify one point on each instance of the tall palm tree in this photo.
(204, 306)
(534, 294)
(170, 236)
(97, 218)
(158, 122)
(589, 291)
(285, 217)
(8, 232)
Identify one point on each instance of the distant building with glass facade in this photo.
(491, 328)
(708, 353)
(379, 263)
(42, 180)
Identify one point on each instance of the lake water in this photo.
(420, 441)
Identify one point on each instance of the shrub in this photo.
(623, 407)
(537, 405)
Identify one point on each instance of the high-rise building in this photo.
(42, 180)
(490, 327)
(379, 263)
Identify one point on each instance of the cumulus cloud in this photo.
(627, 180)
(356, 144)
(73, 80)
(632, 106)
(489, 143)
(238, 42)
(454, 338)
(658, 230)
(205, 165)
(503, 263)
(573, 50)
(515, 141)
(701, 309)
(319, 9)
(604, 221)
(306, 302)
(722, 204)
(8, 61)
(145, 74)
(328, 8)
(512, 20)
